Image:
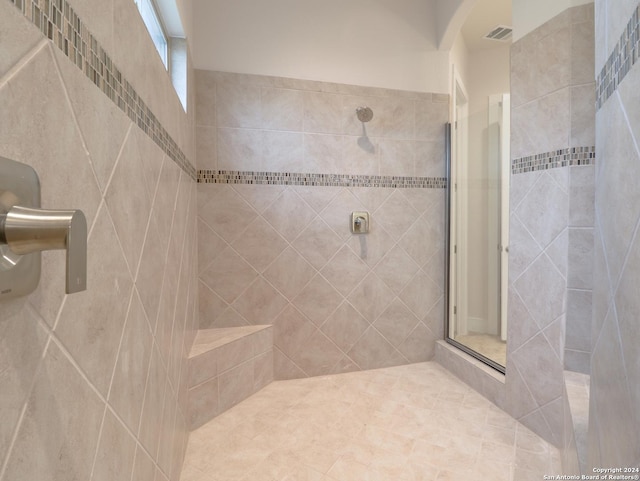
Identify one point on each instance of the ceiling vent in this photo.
(501, 33)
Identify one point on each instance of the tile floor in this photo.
(415, 422)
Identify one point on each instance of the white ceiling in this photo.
(485, 16)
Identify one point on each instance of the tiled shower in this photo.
(94, 385)
(277, 248)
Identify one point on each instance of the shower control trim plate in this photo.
(360, 222)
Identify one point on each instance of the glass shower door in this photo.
(479, 230)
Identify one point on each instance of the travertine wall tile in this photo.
(320, 285)
(613, 420)
(98, 373)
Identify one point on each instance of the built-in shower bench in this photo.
(226, 366)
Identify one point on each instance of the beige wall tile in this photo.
(116, 451)
(318, 356)
(322, 113)
(582, 114)
(345, 326)
(263, 370)
(22, 346)
(291, 330)
(290, 273)
(396, 323)
(318, 300)
(371, 297)
(373, 351)
(235, 385)
(203, 367)
(203, 403)
(541, 125)
(344, 271)
(398, 157)
(260, 303)
(396, 269)
(205, 92)
(421, 294)
(396, 215)
(283, 151)
(237, 106)
(289, 214)
(419, 346)
(24, 38)
(430, 119)
(127, 388)
(130, 218)
(323, 153)
(207, 147)
(541, 61)
(317, 243)
(360, 155)
(93, 110)
(282, 109)
(240, 149)
(229, 275)
(91, 322)
(373, 247)
(259, 245)
(65, 407)
(580, 260)
(96, 329)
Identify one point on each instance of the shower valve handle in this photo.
(26, 230)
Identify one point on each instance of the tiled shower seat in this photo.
(226, 366)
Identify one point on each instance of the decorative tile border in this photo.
(552, 160)
(623, 57)
(60, 24)
(318, 180)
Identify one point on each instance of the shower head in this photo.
(365, 114)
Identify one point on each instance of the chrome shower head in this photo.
(365, 114)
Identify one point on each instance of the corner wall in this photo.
(614, 420)
(93, 384)
(552, 93)
(283, 163)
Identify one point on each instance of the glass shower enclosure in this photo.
(478, 205)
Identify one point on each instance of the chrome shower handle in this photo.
(26, 230)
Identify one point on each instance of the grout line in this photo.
(24, 60)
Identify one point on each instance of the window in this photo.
(170, 42)
(154, 26)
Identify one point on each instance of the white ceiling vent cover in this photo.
(502, 33)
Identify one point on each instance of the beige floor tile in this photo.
(495, 471)
(348, 469)
(421, 472)
(405, 423)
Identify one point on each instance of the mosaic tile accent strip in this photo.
(319, 180)
(551, 160)
(622, 58)
(60, 24)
